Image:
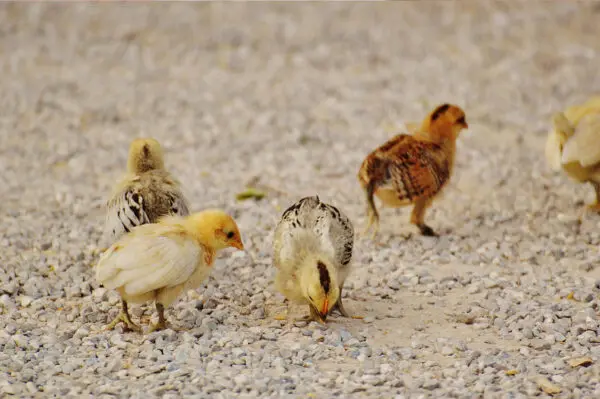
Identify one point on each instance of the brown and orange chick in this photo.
(413, 169)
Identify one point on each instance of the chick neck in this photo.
(144, 160)
(204, 227)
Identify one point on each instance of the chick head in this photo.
(319, 286)
(562, 127)
(445, 121)
(145, 154)
(215, 229)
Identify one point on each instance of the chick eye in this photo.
(461, 120)
(310, 297)
(230, 234)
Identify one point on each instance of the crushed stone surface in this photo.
(290, 98)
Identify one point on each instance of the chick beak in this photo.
(238, 244)
(325, 308)
(465, 125)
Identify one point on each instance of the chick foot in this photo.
(162, 322)
(426, 230)
(124, 317)
(584, 210)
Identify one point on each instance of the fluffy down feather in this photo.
(584, 145)
(320, 227)
(158, 261)
(573, 144)
(153, 257)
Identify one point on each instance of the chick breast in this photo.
(405, 169)
(311, 226)
(154, 262)
(142, 199)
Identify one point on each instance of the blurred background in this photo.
(290, 95)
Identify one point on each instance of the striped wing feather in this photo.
(406, 169)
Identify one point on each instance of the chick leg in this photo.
(371, 212)
(339, 306)
(162, 322)
(124, 317)
(282, 317)
(595, 206)
(418, 214)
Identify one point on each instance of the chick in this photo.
(413, 169)
(573, 145)
(312, 250)
(145, 194)
(158, 261)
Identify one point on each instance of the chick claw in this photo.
(129, 325)
(162, 321)
(583, 211)
(161, 325)
(427, 231)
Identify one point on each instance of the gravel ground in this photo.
(291, 97)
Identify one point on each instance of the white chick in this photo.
(145, 193)
(159, 261)
(312, 252)
(573, 144)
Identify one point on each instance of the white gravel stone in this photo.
(297, 101)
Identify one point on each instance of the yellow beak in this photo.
(238, 244)
(325, 308)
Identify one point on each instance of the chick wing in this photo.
(333, 230)
(405, 169)
(151, 257)
(584, 145)
(143, 199)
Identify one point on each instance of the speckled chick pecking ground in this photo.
(289, 98)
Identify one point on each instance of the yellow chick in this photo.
(573, 144)
(413, 169)
(146, 193)
(312, 251)
(158, 261)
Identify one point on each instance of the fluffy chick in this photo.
(413, 169)
(158, 261)
(145, 193)
(312, 250)
(573, 144)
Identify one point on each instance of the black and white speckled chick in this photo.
(312, 246)
(146, 193)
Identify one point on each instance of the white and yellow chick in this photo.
(146, 193)
(312, 250)
(573, 144)
(158, 261)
